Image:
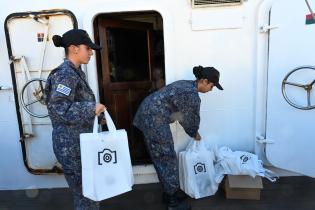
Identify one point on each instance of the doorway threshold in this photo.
(145, 174)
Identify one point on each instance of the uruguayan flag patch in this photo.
(63, 89)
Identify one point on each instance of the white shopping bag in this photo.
(106, 164)
(240, 163)
(196, 170)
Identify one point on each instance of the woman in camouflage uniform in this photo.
(177, 101)
(72, 109)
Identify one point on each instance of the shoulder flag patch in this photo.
(63, 89)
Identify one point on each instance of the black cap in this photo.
(209, 73)
(75, 37)
(213, 76)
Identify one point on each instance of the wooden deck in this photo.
(288, 193)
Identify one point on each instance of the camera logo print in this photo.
(107, 156)
(245, 158)
(200, 168)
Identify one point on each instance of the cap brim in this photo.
(219, 86)
(94, 46)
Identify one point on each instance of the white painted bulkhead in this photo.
(227, 38)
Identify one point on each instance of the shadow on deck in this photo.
(288, 193)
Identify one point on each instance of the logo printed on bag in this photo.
(200, 168)
(107, 156)
(245, 158)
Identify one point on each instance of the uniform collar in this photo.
(67, 61)
(77, 70)
(195, 85)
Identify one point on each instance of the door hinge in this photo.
(5, 88)
(267, 28)
(263, 140)
(26, 136)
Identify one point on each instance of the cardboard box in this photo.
(242, 187)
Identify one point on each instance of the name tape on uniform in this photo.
(63, 89)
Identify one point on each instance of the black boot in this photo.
(173, 203)
(180, 195)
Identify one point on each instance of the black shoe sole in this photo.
(180, 197)
(176, 208)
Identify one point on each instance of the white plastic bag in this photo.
(240, 163)
(196, 169)
(106, 164)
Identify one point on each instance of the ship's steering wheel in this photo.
(307, 87)
(33, 93)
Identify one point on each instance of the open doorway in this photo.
(130, 67)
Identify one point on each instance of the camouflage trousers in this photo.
(72, 171)
(160, 145)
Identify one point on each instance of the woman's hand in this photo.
(99, 109)
(197, 137)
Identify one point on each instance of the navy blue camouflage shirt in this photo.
(177, 101)
(71, 107)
